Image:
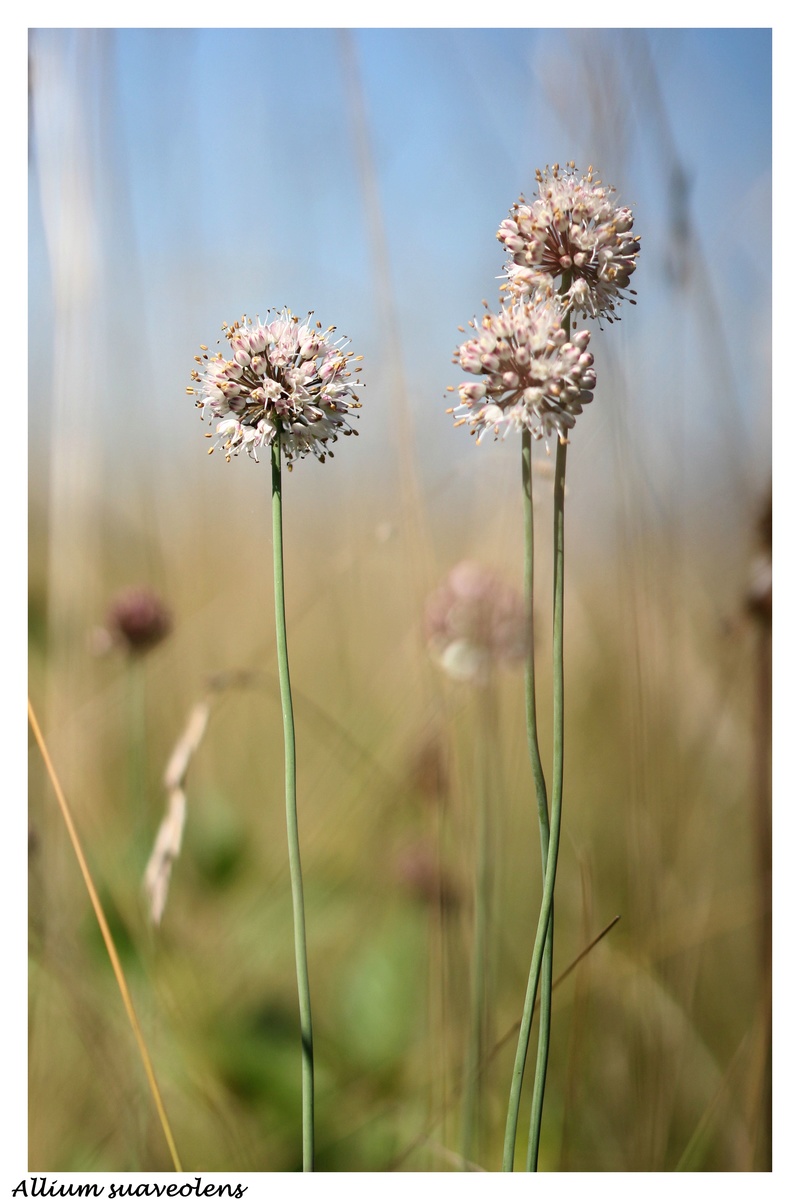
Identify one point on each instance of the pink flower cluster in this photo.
(280, 377)
(571, 251)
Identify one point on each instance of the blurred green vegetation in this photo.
(657, 1050)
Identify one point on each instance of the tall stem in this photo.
(485, 771)
(558, 783)
(530, 677)
(298, 906)
(541, 803)
(541, 799)
(137, 743)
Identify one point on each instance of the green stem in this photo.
(530, 677)
(542, 1052)
(140, 849)
(558, 784)
(543, 1048)
(541, 803)
(137, 752)
(479, 1000)
(298, 906)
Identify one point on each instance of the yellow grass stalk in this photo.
(107, 938)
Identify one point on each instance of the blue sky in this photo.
(224, 178)
(183, 177)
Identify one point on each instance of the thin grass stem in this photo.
(111, 949)
(298, 905)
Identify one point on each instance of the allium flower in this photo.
(532, 376)
(572, 229)
(138, 619)
(475, 621)
(281, 378)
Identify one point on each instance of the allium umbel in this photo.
(571, 233)
(279, 377)
(532, 376)
(138, 619)
(475, 622)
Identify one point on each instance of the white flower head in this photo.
(278, 378)
(571, 239)
(529, 373)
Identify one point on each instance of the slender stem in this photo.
(298, 906)
(558, 781)
(541, 803)
(140, 804)
(544, 817)
(530, 678)
(545, 1006)
(137, 752)
(542, 1052)
(481, 974)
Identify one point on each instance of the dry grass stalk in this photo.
(167, 845)
(170, 832)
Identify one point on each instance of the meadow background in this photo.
(181, 178)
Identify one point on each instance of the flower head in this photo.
(530, 375)
(475, 621)
(279, 378)
(572, 234)
(138, 619)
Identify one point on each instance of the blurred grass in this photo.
(656, 828)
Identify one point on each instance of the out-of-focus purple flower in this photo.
(138, 619)
(475, 622)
